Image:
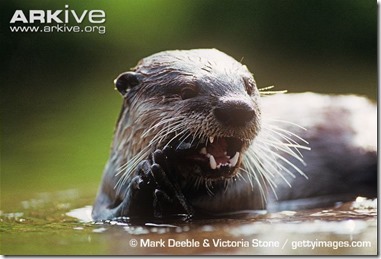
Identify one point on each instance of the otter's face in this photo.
(202, 103)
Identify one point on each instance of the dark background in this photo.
(58, 106)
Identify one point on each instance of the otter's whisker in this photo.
(267, 149)
(183, 138)
(264, 91)
(286, 148)
(260, 166)
(253, 174)
(169, 121)
(226, 184)
(208, 185)
(130, 168)
(167, 131)
(270, 157)
(197, 182)
(253, 156)
(272, 163)
(285, 122)
(282, 132)
(281, 135)
(240, 176)
(289, 147)
(169, 126)
(176, 136)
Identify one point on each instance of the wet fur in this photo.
(277, 146)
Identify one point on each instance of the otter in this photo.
(195, 136)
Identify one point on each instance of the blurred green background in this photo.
(58, 106)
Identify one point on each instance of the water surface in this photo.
(59, 223)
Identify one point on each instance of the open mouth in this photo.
(217, 157)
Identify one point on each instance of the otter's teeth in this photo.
(211, 140)
(234, 160)
(212, 162)
(226, 164)
(203, 151)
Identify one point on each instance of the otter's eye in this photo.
(188, 92)
(249, 85)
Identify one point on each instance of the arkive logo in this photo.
(63, 20)
(48, 16)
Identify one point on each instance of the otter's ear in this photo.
(125, 81)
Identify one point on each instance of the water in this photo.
(59, 223)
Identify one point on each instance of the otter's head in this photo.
(202, 103)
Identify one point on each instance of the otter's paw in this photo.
(145, 179)
(168, 191)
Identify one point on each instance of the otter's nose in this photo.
(234, 113)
